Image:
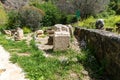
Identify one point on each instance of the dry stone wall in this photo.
(106, 46)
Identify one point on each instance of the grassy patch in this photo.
(68, 53)
(38, 67)
(90, 22)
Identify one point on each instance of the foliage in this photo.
(115, 5)
(111, 21)
(38, 67)
(90, 7)
(31, 17)
(26, 16)
(52, 13)
(71, 19)
(105, 14)
(26, 30)
(13, 21)
(87, 7)
(3, 15)
(88, 23)
(67, 19)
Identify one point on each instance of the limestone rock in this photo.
(7, 32)
(61, 41)
(19, 34)
(60, 27)
(39, 32)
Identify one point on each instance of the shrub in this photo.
(3, 15)
(26, 30)
(63, 19)
(105, 14)
(71, 19)
(26, 16)
(111, 21)
(31, 17)
(115, 5)
(52, 14)
(67, 19)
(13, 20)
(88, 23)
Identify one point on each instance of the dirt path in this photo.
(8, 70)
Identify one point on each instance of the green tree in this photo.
(52, 14)
(115, 5)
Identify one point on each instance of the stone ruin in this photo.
(8, 32)
(61, 37)
(39, 33)
(19, 35)
(105, 45)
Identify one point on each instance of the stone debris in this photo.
(39, 32)
(7, 32)
(49, 31)
(41, 43)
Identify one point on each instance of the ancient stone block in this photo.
(60, 27)
(19, 34)
(61, 41)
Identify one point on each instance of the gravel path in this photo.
(8, 70)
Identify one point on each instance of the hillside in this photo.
(14, 4)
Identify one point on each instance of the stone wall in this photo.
(106, 46)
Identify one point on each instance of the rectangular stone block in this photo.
(61, 41)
